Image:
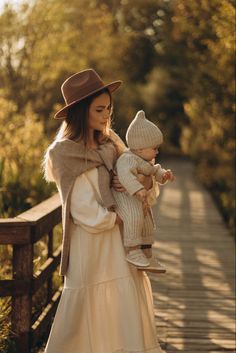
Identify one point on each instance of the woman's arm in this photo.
(146, 181)
(85, 209)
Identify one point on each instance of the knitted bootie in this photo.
(155, 266)
(136, 257)
(147, 252)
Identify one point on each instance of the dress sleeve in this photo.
(85, 209)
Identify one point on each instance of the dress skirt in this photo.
(106, 304)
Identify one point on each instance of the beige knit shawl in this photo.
(70, 159)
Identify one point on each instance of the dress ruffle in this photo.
(108, 317)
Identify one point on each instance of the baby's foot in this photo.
(147, 252)
(155, 266)
(137, 258)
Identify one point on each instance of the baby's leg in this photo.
(147, 250)
(148, 234)
(131, 212)
(133, 221)
(148, 239)
(133, 226)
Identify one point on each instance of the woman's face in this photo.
(100, 111)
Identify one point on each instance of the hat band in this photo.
(85, 91)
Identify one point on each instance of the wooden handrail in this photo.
(22, 232)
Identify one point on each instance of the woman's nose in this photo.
(106, 115)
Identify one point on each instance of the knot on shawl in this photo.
(70, 159)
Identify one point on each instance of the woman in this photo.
(106, 304)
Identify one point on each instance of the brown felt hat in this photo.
(82, 85)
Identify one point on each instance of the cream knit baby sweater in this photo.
(137, 229)
(129, 165)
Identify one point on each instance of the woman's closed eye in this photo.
(100, 110)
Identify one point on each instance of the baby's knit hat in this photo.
(142, 133)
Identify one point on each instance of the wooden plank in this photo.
(42, 323)
(45, 224)
(200, 334)
(14, 231)
(32, 224)
(22, 305)
(46, 270)
(41, 210)
(43, 217)
(191, 343)
(196, 324)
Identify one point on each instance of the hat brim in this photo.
(113, 86)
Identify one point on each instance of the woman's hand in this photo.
(146, 181)
(115, 183)
(118, 220)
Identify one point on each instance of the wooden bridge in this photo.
(194, 301)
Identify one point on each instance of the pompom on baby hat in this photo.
(142, 133)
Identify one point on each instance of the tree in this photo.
(207, 29)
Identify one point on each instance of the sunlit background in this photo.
(14, 3)
(175, 57)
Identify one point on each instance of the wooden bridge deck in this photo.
(194, 301)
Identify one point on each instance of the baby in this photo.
(133, 206)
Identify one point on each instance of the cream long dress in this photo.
(106, 304)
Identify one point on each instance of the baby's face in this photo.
(148, 153)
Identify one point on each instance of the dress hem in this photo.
(156, 349)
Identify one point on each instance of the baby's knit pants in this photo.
(137, 229)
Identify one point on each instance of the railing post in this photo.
(22, 305)
(50, 253)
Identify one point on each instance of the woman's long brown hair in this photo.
(75, 125)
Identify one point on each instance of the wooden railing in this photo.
(22, 232)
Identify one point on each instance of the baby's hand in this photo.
(141, 195)
(168, 175)
(118, 220)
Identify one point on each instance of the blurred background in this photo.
(176, 59)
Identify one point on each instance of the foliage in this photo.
(21, 148)
(207, 30)
(41, 44)
(175, 57)
(6, 343)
